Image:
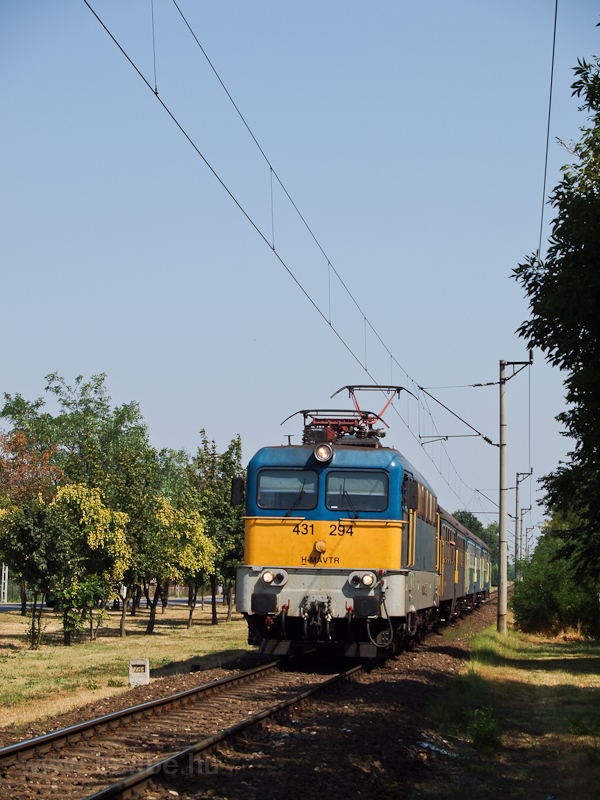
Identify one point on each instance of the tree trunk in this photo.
(152, 620)
(229, 599)
(192, 595)
(66, 631)
(39, 621)
(136, 598)
(213, 593)
(91, 624)
(203, 587)
(23, 599)
(122, 631)
(164, 595)
(33, 622)
(147, 593)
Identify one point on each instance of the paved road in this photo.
(175, 601)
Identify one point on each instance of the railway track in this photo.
(114, 754)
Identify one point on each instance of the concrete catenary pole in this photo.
(502, 554)
(517, 528)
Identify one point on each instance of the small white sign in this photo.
(139, 671)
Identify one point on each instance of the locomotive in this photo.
(346, 547)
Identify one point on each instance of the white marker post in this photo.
(139, 671)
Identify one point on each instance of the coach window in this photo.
(287, 489)
(357, 491)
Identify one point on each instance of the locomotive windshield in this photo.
(287, 489)
(357, 491)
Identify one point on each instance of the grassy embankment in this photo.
(35, 684)
(531, 706)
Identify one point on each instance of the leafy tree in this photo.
(470, 521)
(24, 546)
(73, 546)
(174, 546)
(26, 469)
(212, 475)
(89, 436)
(100, 446)
(551, 597)
(90, 553)
(564, 297)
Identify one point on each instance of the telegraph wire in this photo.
(272, 248)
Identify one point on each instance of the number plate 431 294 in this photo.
(335, 529)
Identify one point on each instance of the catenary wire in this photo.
(278, 179)
(229, 192)
(330, 266)
(548, 130)
(271, 246)
(153, 48)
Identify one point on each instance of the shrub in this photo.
(550, 598)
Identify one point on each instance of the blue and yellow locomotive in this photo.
(345, 545)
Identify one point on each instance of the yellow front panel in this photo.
(349, 544)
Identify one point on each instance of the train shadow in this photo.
(232, 659)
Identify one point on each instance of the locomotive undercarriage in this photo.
(320, 609)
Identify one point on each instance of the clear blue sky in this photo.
(411, 137)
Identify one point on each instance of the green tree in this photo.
(173, 547)
(551, 597)
(24, 546)
(564, 297)
(100, 446)
(470, 522)
(212, 475)
(89, 436)
(73, 546)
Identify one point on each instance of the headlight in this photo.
(362, 580)
(323, 453)
(275, 579)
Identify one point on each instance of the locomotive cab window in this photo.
(287, 489)
(357, 491)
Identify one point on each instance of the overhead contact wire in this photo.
(271, 245)
(274, 172)
(330, 266)
(230, 193)
(548, 129)
(154, 48)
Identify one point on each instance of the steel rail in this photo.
(135, 782)
(65, 736)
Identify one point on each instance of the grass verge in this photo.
(53, 679)
(524, 715)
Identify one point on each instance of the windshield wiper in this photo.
(350, 503)
(296, 501)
